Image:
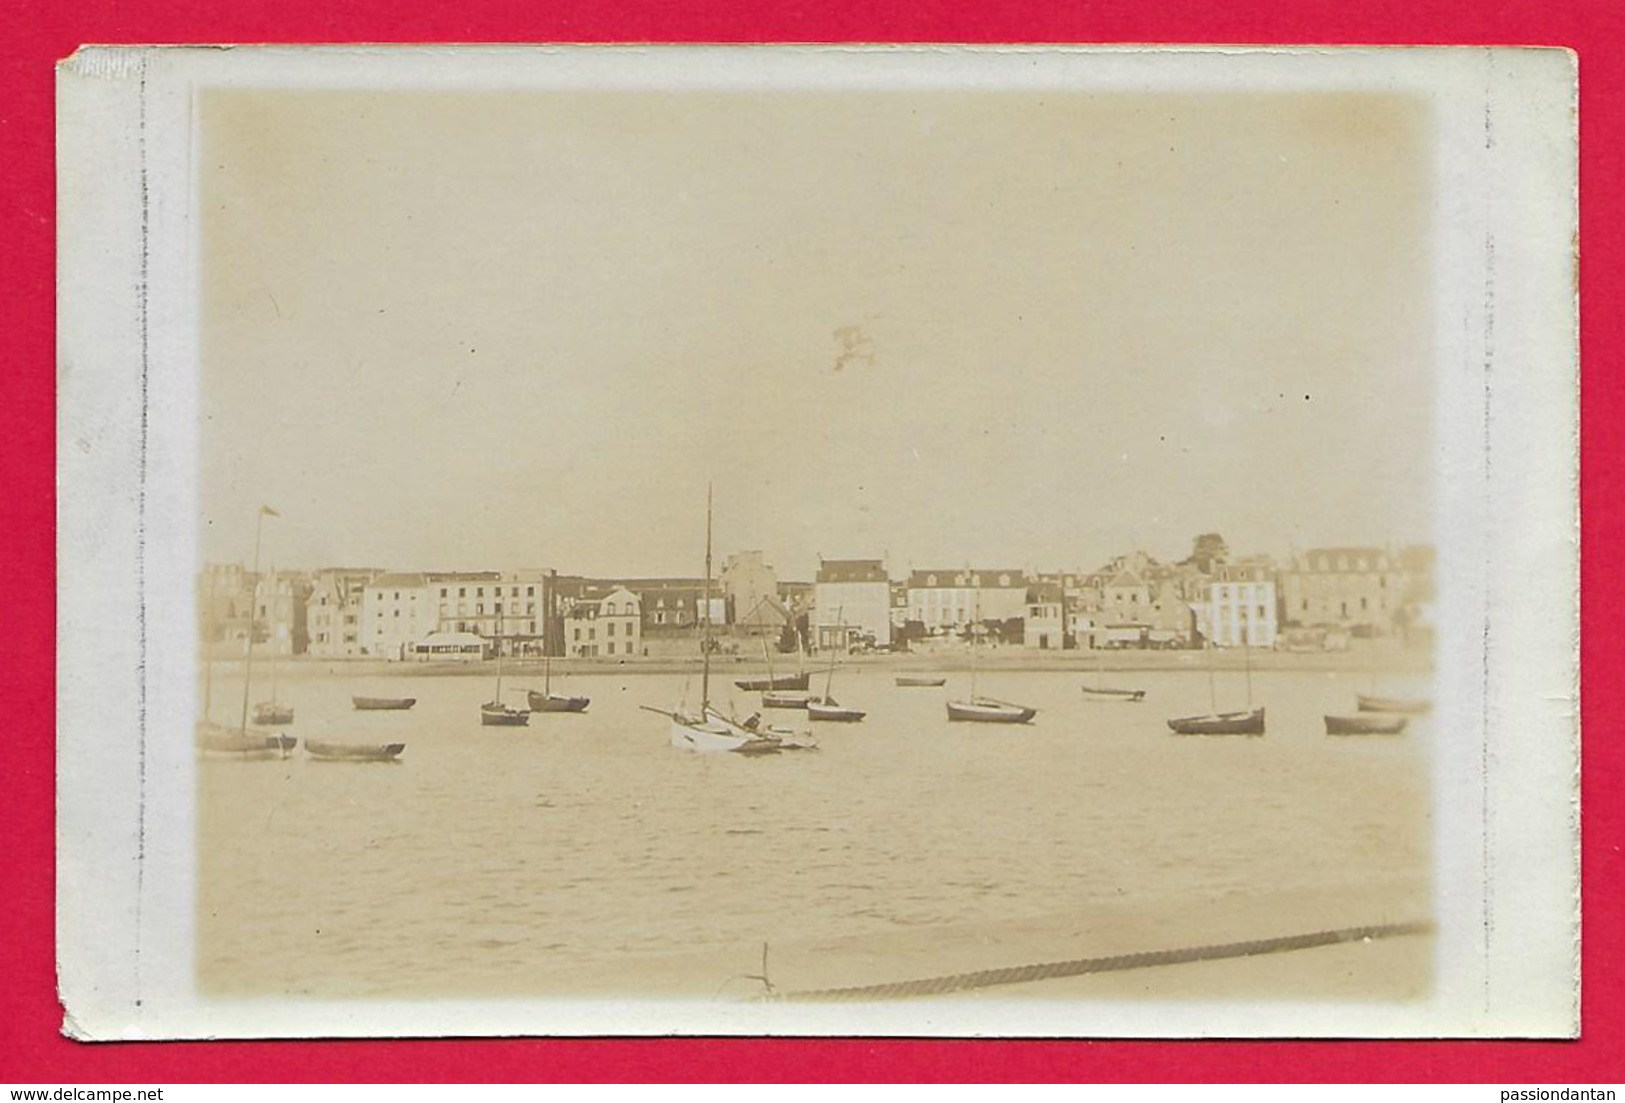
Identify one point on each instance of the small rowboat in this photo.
(986, 710)
(353, 752)
(1365, 725)
(831, 710)
(496, 714)
(1095, 693)
(557, 702)
(1414, 706)
(269, 714)
(383, 704)
(781, 681)
(919, 680)
(1227, 723)
(785, 699)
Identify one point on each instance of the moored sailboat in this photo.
(986, 710)
(707, 731)
(243, 741)
(1249, 721)
(548, 701)
(495, 714)
(826, 708)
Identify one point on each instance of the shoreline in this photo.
(1014, 659)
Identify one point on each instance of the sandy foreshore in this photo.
(1380, 969)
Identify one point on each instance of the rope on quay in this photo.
(1022, 974)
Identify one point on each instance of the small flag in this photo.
(269, 512)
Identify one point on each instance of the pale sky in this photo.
(460, 331)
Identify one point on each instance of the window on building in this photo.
(443, 592)
(479, 608)
(530, 591)
(611, 649)
(1363, 605)
(609, 630)
(479, 591)
(592, 633)
(577, 634)
(462, 591)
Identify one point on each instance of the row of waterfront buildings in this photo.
(1315, 599)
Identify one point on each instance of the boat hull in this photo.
(1091, 693)
(989, 712)
(383, 704)
(714, 736)
(910, 680)
(1229, 723)
(557, 702)
(218, 740)
(501, 716)
(785, 699)
(1405, 705)
(268, 715)
(834, 714)
(1368, 724)
(329, 751)
(780, 681)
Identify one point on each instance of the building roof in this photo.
(852, 570)
(967, 578)
(399, 578)
(1344, 560)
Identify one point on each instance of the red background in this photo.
(36, 33)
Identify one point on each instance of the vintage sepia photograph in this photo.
(812, 541)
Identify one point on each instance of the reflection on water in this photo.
(502, 859)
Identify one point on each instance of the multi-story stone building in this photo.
(1242, 613)
(1358, 589)
(333, 611)
(1044, 629)
(851, 602)
(607, 627)
(948, 600)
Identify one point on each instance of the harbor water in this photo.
(583, 854)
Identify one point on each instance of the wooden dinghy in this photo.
(334, 751)
(1225, 723)
(383, 704)
(1367, 724)
(1097, 693)
(1410, 706)
(919, 680)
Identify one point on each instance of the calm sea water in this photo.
(585, 843)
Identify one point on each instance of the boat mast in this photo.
(208, 643)
(1207, 648)
(840, 617)
(253, 607)
(705, 630)
(275, 664)
(1247, 659)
